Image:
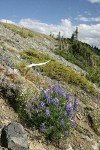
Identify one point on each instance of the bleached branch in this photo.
(40, 64)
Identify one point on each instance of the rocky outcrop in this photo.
(14, 137)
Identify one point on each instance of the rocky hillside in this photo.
(19, 85)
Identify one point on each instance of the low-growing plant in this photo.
(11, 49)
(56, 70)
(12, 76)
(22, 68)
(2, 69)
(53, 113)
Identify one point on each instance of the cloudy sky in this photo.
(55, 16)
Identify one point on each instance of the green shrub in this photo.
(53, 113)
(57, 71)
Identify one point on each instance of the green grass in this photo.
(57, 71)
(24, 32)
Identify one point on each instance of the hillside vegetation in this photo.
(57, 71)
(84, 56)
(59, 100)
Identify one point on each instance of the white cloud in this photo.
(81, 18)
(90, 34)
(7, 21)
(94, 1)
(38, 26)
(87, 33)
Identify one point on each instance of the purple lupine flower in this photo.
(46, 96)
(28, 107)
(61, 122)
(47, 113)
(55, 101)
(75, 103)
(70, 111)
(65, 133)
(42, 126)
(42, 106)
(65, 114)
(67, 106)
(60, 91)
(57, 90)
(54, 89)
(45, 93)
(73, 124)
(48, 99)
(49, 89)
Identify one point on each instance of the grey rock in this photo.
(14, 137)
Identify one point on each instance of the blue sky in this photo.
(53, 15)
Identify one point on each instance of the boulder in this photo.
(14, 137)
